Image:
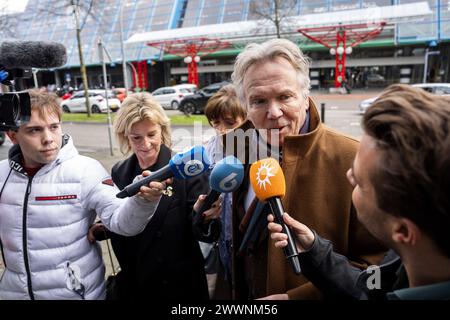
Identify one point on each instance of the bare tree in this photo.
(8, 22)
(80, 10)
(275, 12)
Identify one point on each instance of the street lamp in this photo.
(101, 50)
(134, 72)
(122, 48)
(425, 68)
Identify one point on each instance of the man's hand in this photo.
(96, 232)
(154, 190)
(304, 237)
(213, 213)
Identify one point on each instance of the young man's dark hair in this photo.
(412, 129)
(224, 110)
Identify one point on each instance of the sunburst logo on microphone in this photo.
(263, 175)
(267, 179)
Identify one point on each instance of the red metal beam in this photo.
(191, 48)
(344, 36)
(182, 48)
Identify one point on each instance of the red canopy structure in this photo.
(191, 50)
(341, 39)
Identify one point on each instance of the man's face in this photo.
(364, 196)
(274, 99)
(40, 140)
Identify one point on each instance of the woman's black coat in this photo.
(164, 262)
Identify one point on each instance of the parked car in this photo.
(436, 88)
(196, 103)
(375, 79)
(67, 95)
(170, 97)
(120, 93)
(2, 138)
(189, 86)
(77, 103)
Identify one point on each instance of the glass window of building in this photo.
(212, 12)
(193, 12)
(233, 10)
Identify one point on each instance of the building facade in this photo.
(398, 54)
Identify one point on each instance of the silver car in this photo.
(170, 97)
(436, 88)
(77, 103)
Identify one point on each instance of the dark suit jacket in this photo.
(164, 262)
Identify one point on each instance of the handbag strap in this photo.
(110, 254)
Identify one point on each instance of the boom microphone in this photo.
(183, 165)
(226, 176)
(268, 182)
(32, 54)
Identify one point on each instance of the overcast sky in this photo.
(13, 6)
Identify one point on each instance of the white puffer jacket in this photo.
(44, 222)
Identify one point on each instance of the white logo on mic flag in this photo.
(263, 175)
(228, 183)
(193, 167)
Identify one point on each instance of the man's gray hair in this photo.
(269, 51)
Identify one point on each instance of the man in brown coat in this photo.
(272, 81)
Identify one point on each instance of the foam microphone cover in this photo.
(32, 54)
(191, 163)
(267, 179)
(227, 175)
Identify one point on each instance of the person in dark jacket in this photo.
(401, 181)
(164, 262)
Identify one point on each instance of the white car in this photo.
(77, 103)
(189, 86)
(170, 97)
(436, 88)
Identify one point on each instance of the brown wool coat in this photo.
(318, 195)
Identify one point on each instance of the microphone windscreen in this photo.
(227, 175)
(32, 54)
(267, 179)
(193, 162)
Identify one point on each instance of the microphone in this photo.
(226, 176)
(254, 227)
(267, 180)
(183, 165)
(32, 54)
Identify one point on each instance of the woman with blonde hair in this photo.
(164, 262)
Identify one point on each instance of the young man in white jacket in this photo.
(49, 196)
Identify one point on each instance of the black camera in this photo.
(15, 106)
(16, 60)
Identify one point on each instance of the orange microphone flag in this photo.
(267, 179)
